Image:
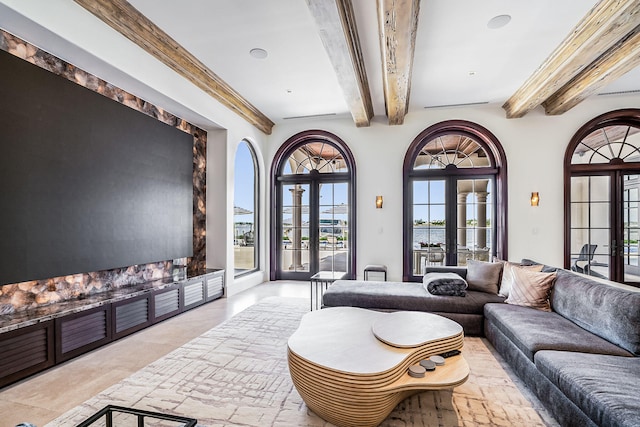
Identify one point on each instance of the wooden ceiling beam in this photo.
(397, 26)
(128, 21)
(617, 61)
(603, 27)
(339, 33)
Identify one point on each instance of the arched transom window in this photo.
(451, 150)
(315, 156)
(608, 145)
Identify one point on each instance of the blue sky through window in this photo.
(244, 178)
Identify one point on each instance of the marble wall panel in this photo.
(26, 295)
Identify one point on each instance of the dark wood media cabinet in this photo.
(43, 340)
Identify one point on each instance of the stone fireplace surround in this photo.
(23, 296)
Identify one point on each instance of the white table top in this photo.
(328, 275)
(341, 339)
(409, 329)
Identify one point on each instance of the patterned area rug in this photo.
(236, 374)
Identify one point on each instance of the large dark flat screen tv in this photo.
(86, 183)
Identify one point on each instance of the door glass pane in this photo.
(421, 192)
(590, 225)
(436, 192)
(333, 247)
(429, 234)
(631, 228)
(599, 214)
(474, 219)
(295, 226)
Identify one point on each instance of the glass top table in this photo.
(321, 281)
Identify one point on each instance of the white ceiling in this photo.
(297, 79)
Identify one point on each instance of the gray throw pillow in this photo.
(484, 276)
(531, 288)
(508, 275)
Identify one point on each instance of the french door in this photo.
(604, 225)
(314, 221)
(602, 197)
(455, 197)
(452, 221)
(313, 201)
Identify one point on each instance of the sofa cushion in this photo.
(533, 330)
(531, 288)
(402, 296)
(603, 387)
(483, 276)
(545, 268)
(608, 311)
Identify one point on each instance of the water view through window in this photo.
(314, 197)
(245, 253)
(453, 178)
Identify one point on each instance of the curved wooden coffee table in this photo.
(350, 365)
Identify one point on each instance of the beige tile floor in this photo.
(45, 396)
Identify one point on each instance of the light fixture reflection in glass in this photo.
(535, 198)
(378, 202)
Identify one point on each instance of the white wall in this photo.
(221, 151)
(534, 146)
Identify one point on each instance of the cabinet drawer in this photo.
(26, 351)
(130, 316)
(166, 303)
(215, 286)
(81, 332)
(193, 293)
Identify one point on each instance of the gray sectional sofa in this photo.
(580, 359)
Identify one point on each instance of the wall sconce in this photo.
(535, 198)
(378, 202)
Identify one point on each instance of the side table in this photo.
(321, 281)
(110, 413)
(379, 272)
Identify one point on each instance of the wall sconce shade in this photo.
(535, 198)
(378, 202)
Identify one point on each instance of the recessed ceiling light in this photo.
(498, 21)
(258, 53)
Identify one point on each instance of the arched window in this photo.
(602, 197)
(313, 196)
(245, 210)
(454, 178)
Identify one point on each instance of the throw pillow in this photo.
(508, 277)
(531, 288)
(483, 276)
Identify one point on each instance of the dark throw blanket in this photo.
(450, 284)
